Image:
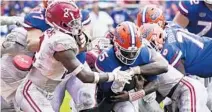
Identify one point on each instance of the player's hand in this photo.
(121, 76)
(81, 40)
(120, 97)
(139, 82)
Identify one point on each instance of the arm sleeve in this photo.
(63, 42)
(104, 63)
(184, 7)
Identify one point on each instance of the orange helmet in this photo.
(127, 42)
(154, 34)
(151, 14)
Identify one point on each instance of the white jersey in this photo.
(53, 41)
(168, 80)
(11, 77)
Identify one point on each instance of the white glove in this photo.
(135, 70)
(120, 76)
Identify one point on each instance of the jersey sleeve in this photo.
(62, 42)
(172, 54)
(103, 62)
(187, 7)
(36, 19)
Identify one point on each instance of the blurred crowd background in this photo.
(103, 13)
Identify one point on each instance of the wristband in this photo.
(136, 95)
(136, 70)
(111, 77)
(96, 77)
(77, 70)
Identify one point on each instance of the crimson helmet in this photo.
(127, 42)
(64, 16)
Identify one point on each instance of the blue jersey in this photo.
(199, 15)
(36, 19)
(107, 62)
(196, 51)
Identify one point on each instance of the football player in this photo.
(11, 77)
(35, 23)
(59, 48)
(196, 16)
(186, 101)
(129, 53)
(186, 55)
(176, 48)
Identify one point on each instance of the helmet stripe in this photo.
(143, 14)
(132, 34)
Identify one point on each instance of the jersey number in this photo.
(39, 15)
(181, 35)
(102, 56)
(207, 27)
(67, 13)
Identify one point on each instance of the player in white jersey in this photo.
(58, 49)
(11, 77)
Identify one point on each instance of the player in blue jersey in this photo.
(199, 46)
(189, 53)
(196, 16)
(128, 53)
(193, 55)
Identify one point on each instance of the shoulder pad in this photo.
(60, 42)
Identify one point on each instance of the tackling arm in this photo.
(181, 20)
(33, 39)
(72, 64)
(157, 66)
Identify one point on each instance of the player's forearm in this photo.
(33, 45)
(33, 39)
(154, 68)
(151, 87)
(93, 77)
